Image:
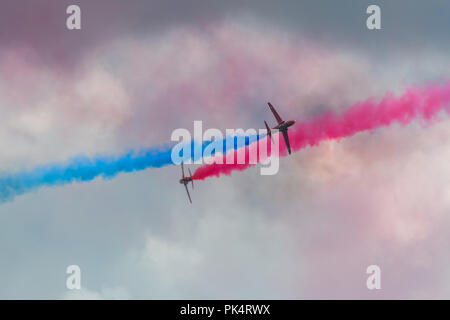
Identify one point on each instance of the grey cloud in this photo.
(293, 235)
(406, 25)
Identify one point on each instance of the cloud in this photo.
(42, 27)
(332, 210)
(104, 294)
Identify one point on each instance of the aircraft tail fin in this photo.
(269, 132)
(182, 170)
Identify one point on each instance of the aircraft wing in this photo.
(275, 113)
(192, 180)
(286, 140)
(189, 196)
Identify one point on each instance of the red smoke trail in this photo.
(416, 103)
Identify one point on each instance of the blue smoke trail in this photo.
(82, 168)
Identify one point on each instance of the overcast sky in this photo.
(139, 69)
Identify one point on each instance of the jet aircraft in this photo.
(281, 126)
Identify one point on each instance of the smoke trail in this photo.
(415, 103)
(82, 168)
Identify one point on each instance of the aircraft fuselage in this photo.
(284, 125)
(185, 180)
